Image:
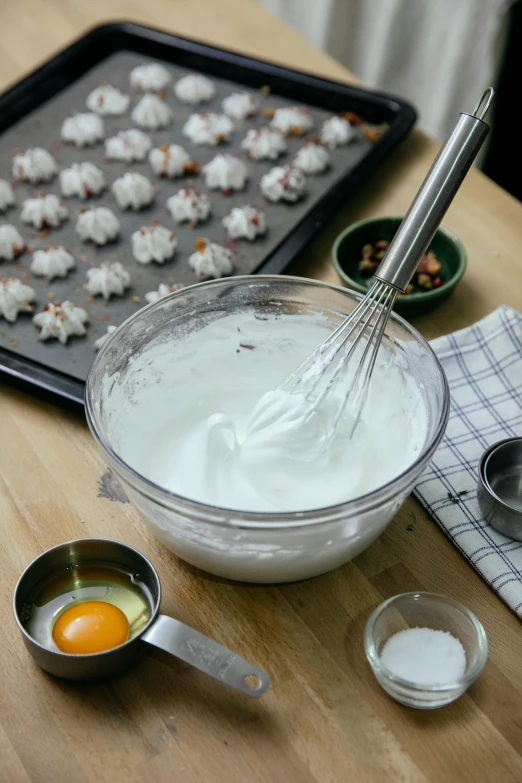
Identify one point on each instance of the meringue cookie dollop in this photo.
(54, 261)
(11, 243)
(210, 260)
(208, 128)
(194, 88)
(107, 101)
(149, 77)
(163, 291)
(264, 144)
(99, 225)
(337, 131)
(84, 130)
(133, 191)
(171, 160)
(128, 146)
(189, 205)
(153, 243)
(245, 223)
(292, 120)
(82, 180)
(239, 105)
(283, 183)
(44, 211)
(34, 165)
(152, 113)
(109, 278)
(7, 196)
(226, 173)
(61, 321)
(15, 297)
(312, 158)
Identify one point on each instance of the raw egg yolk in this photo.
(90, 627)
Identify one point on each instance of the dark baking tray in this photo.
(75, 62)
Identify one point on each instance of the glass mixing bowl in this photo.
(243, 545)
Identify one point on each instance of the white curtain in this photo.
(439, 54)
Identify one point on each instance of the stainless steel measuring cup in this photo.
(499, 487)
(161, 631)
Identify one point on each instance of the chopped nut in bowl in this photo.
(360, 248)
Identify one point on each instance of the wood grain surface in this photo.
(325, 718)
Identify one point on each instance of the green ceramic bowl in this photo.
(346, 254)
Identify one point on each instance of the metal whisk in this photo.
(364, 328)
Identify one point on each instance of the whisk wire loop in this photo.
(321, 371)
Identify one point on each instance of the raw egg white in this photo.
(88, 609)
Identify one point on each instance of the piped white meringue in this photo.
(171, 160)
(7, 196)
(107, 100)
(208, 128)
(189, 205)
(153, 243)
(239, 105)
(292, 120)
(245, 223)
(194, 88)
(15, 297)
(61, 321)
(84, 130)
(283, 183)
(337, 131)
(312, 158)
(152, 113)
(34, 165)
(54, 261)
(109, 278)
(82, 180)
(129, 146)
(226, 173)
(44, 211)
(133, 191)
(264, 144)
(99, 225)
(210, 260)
(162, 292)
(149, 77)
(11, 243)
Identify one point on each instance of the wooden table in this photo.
(324, 718)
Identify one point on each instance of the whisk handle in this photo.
(434, 197)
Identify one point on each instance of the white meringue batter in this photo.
(198, 416)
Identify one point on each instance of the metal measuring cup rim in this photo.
(483, 477)
(86, 656)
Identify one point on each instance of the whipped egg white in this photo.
(202, 416)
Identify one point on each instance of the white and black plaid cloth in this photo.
(483, 365)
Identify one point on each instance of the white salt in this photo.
(424, 656)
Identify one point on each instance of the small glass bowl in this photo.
(425, 610)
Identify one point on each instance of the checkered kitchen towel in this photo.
(483, 365)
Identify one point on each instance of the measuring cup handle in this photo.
(206, 655)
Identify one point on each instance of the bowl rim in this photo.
(418, 297)
(258, 520)
(378, 667)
